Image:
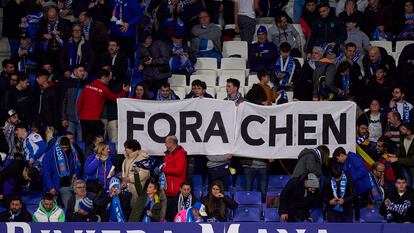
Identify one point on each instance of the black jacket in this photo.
(21, 102)
(46, 108)
(348, 197)
(293, 202)
(325, 31)
(23, 216)
(87, 60)
(12, 15)
(227, 201)
(256, 95)
(386, 60)
(380, 92)
(119, 68)
(400, 213)
(304, 84)
(102, 204)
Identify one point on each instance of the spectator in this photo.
(192, 214)
(182, 202)
(323, 79)
(126, 15)
(90, 150)
(392, 131)
(376, 120)
(198, 90)
(378, 20)
(311, 161)
(351, 9)
(399, 104)
(66, 10)
(117, 61)
(48, 210)
(356, 36)
(297, 198)
(214, 8)
(53, 76)
(165, 93)
(309, 16)
(397, 206)
(14, 11)
(287, 68)
(256, 169)
(99, 165)
(61, 166)
(6, 73)
(272, 8)
(380, 88)
(181, 61)
(148, 206)
(338, 196)
(16, 212)
(154, 58)
(375, 58)
(9, 129)
(72, 87)
(217, 204)
(405, 76)
(84, 213)
(327, 30)
(134, 154)
(175, 171)
(383, 148)
(20, 99)
(262, 54)
(91, 103)
(99, 10)
(27, 56)
(206, 38)
(405, 155)
(232, 89)
(53, 31)
(73, 212)
(76, 51)
(282, 32)
(382, 184)
(116, 204)
(244, 18)
(33, 144)
(404, 25)
(79, 150)
(141, 92)
(346, 82)
(10, 177)
(261, 93)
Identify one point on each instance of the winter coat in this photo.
(139, 207)
(160, 53)
(354, 167)
(12, 15)
(348, 197)
(372, 19)
(303, 84)
(404, 158)
(21, 102)
(127, 171)
(400, 212)
(175, 170)
(267, 58)
(95, 169)
(132, 14)
(308, 162)
(293, 202)
(56, 214)
(326, 31)
(380, 92)
(71, 214)
(64, 26)
(289, 35)
(23, 216)
(329, 71)
(87, 60)
(47, 101)
(51, 178)
(71, 89)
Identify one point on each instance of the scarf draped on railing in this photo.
(342, 188)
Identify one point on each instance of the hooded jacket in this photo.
(308, 162)
(56, 214)
(354, 167)
(175, 170)
(127, 166)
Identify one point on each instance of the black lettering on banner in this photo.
(184, 127)
(131, 127)
(329, 123)
(221, 131)
(245, 135)
(288, 130)
(306, 129)
(151, 122)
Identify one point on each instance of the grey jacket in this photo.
(211, 32)
(216, 160)
(324, 69)
(71, 90)
(359, 38)
(308, 162)
(290, 35)
(160, 54)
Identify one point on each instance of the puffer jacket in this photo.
(308, 162)
(56, 214)
(175, 170)
(160, 53)
(127, 171)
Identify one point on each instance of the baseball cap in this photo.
(201, 208)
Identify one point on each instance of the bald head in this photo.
(374, 54)
(171, 143)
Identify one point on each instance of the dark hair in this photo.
(186, 182)
(199, 83)
(33, 173)
(401, 177)
(146, 95)
(165, 84)
(362, 121)
(343, 66)
(324, 153)
(152, 181)
(350, 44)
(49, 197)
(401, 89)
(323, 4)
(234, 81)
(20, 126)
(43, 72)
(375, 165)
(15, 198)
(262, 74)
(132, 144)
(381, 67)
(338, 151)
(103, 74)
(211, 202)
(79, 66)
(387, 144)
(21, 78)
(64, 141)
(6, 62)
(336, 171)
(285, 47)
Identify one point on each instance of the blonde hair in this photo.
(100, 147)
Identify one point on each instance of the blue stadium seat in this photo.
(277, 182)
(2, 209)
(32, 208)
(271, 215)
(247, 214)
(248, 198)
(197, 181)
(198, 192)
(32, 198)
(271, 196)
(317, 215)
(241, 184)
(371, 215)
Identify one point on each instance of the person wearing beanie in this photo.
(283, 31)
(297, 198)
(84, 213)
(262, 54)
(181, 59)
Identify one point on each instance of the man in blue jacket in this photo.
(61, 166)
(353, 166)
(126, 15)
(33, 145)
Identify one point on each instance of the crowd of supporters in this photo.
(72, 59)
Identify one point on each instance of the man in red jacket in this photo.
(175, 168)
(91, 103)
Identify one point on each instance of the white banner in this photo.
(210, 126)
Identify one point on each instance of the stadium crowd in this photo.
(71, 59)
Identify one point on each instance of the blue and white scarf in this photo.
(61, 161)
(117, 13)
(342, 188)
(190, 216)
(50, 29)
(86, 30)
(405, 113)
(409, 27)
(374, 66)
(288, 67)
(75, 52)
(342, 57)
(179, 63)
(115, 213)
(345, 82)
(380, 37)
(171, 96)
(148, 164)
(376, 190)
(318, 153)
(150, 202)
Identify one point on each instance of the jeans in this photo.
(75, 128)
(14, 47)
(247, 28)
(65, 194)
(256, 173)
